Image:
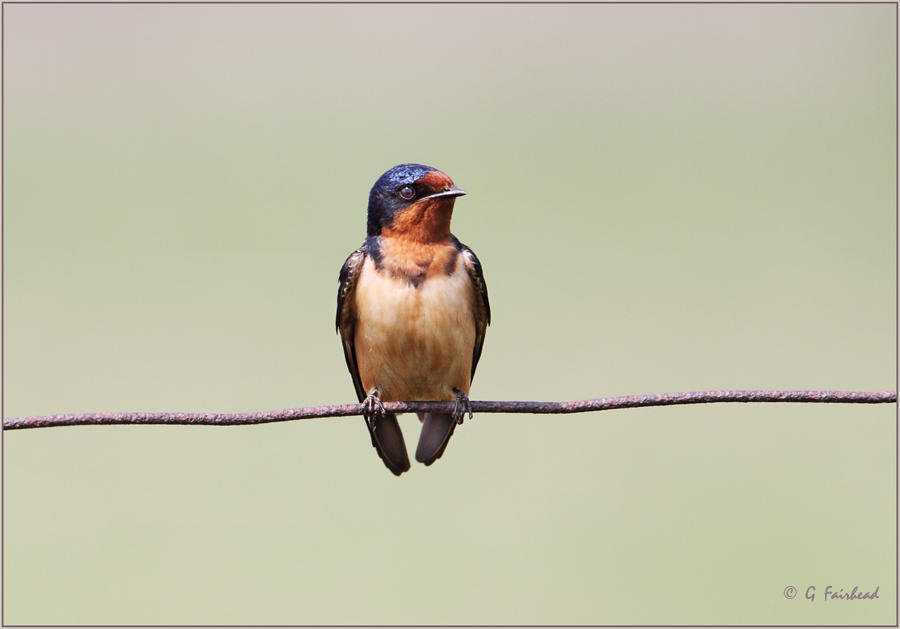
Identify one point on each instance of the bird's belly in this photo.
(414, 342)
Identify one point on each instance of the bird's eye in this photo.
(407, 192)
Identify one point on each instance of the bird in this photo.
(412, 311)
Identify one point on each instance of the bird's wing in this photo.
(345, 321)
(482, 305)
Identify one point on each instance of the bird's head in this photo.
(412, 201)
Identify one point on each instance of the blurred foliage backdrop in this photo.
(664, 198)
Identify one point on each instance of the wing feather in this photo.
(482, 305)
(345, 320)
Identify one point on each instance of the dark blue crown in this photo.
(402, 175)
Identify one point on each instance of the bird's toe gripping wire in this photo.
(373, 408)
(462, 406)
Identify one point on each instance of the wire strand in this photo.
(546, 408)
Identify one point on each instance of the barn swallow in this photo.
(412, 310)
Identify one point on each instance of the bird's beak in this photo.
(446, 192)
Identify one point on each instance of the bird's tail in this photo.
(388, 442)
(437, 428)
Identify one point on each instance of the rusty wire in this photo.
(345, 410)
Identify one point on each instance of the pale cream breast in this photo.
(414, 342)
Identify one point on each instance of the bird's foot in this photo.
(372, 408)
(461, 407)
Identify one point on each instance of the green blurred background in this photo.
(665, 198)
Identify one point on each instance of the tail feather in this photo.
(388, 442)
(437, 428)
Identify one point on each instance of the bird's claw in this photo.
(461, 407)
(372, 407)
